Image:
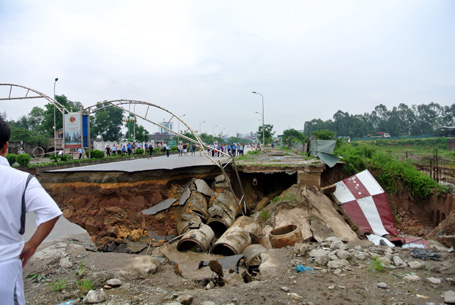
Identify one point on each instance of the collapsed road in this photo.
(284, 207)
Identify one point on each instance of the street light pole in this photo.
(55, 125)
(178, 130)
(214, 132)
(200, 128)
(263, 130)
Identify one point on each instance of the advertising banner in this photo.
(73, 130)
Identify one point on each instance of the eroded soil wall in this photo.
(108, 204)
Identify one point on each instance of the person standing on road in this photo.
(241, 149)
(150, 147)
(128, 146)
(108, 151)
(20, 193)
(179, 148)
(167, 150)
(80, 151)
(234, 150)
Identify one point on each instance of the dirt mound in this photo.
(445, 231)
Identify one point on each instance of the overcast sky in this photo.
(204, 58)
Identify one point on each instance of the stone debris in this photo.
(382, 285)
(65, 263)
(398, 262)
(185, 299)
(114, 282)
(295, 296)
(415, 265)
(95, 296)
(412, 278)
(449, 297)
(434, 280)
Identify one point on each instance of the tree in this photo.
(428, 117)
(292, 135)
(316, 124)
(108, 122)
(324, 134)
(35, 119)
(48, 120)
(267, 133)
(141, 134)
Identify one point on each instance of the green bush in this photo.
(66, 158)
(11, 158)
(393, 175)
(139, 151)
(23, 159)
(174, 149)
(95, 154)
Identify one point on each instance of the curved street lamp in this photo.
(263, 130)
(178, 130)
(55, 125)
(200, 127)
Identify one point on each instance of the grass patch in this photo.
(58, 285)
(376, 265)
(36, 277)
(85, 285)
(265, 215)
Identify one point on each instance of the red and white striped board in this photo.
(364, 201)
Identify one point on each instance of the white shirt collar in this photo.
(4, 161)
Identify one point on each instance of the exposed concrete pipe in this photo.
(197, 240)
(222, 213)
(237, 237)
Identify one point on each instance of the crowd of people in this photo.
(234, 149)
(183, 149)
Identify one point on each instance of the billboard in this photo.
(73, 130)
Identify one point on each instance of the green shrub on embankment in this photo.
(11, 158)
(393, 175)
(23, 159)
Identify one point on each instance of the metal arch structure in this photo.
(59, 106)
(119, 104)
(217, 161)
(56, 104)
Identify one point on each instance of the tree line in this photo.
(37, 126)
(398, 121)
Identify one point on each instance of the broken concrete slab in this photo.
(323, 208)
(184, 196)
(163, 205)
(203, 187)
(320, 230)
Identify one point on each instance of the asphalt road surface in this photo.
(157, 162)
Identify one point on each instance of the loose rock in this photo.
(95, 296)
(449, 297)
(114, 283)
(412, 278)
(382, 285)
(185, 299)
(415, 265)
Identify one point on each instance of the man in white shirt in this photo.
(19, 193)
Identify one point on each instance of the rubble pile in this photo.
(309, 273)
(293, 249)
